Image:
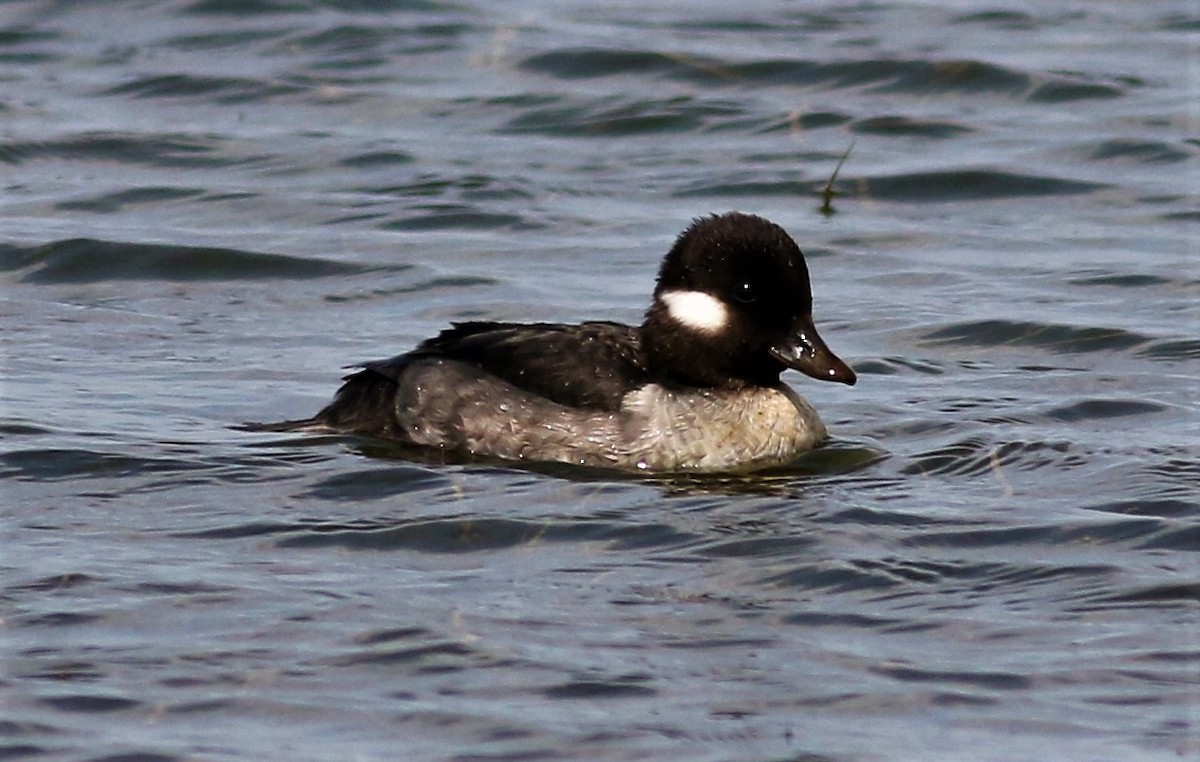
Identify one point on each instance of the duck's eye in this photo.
(745, 292)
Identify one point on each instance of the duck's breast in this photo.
(670, 430)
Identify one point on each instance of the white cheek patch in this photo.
(696, 309)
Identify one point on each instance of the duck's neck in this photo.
(681, 356)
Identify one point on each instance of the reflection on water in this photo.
(212, 207)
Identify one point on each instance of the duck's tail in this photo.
(364, 405)
(312, 425)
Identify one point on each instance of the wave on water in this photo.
(166, 150)
(220, 90)
(1060, 339)
(87, 260)
(887, 75)
(1063, 339)
(955, 185)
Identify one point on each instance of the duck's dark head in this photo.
(733, 307)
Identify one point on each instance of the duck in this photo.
(695, 388)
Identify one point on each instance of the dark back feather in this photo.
(591, 365)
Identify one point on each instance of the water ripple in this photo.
(1007, 681)
(167, 150)
(109, 203)
(1098, 409)
(1147, 152)
(1057, 338)
(1116, 532)
(884, 75)
(1173, 350)
(88, 703)
(598, 689)
(894, 126)
(585, 63)
(86, 260)
(975, 456)
(458, 217)
(471, 534)
(224, 90)
(411, 645)
(969, 185)
(59, 464)
(620, 117)
(376, 483)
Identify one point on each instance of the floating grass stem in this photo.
(828, 192)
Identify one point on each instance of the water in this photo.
(210, 207)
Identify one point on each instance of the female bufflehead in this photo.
(695, 388)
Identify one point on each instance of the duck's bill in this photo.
(806, 352)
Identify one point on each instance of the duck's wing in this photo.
(589, 365)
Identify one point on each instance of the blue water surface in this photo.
(211, 207)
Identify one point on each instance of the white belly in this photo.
(669, 430)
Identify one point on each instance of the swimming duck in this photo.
(696, 387)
